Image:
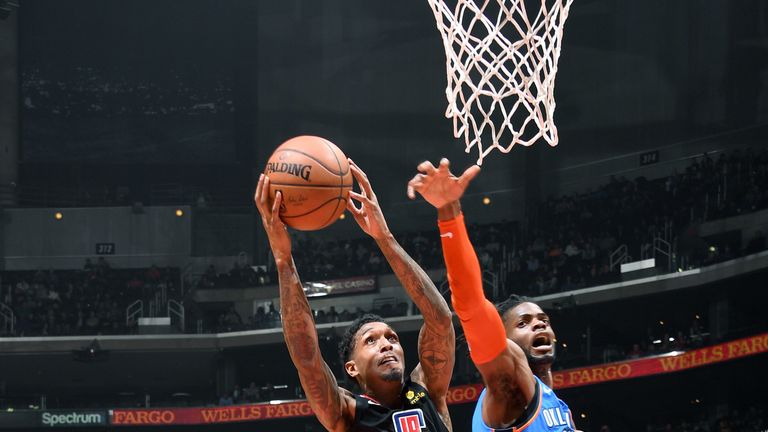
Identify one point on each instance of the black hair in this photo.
(347, 344)
(510, 303)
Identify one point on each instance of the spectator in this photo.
(226, 400)
(635, 352)
(237, 394)
(251, 393)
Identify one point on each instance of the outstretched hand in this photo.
(279, 240)
(438, 185)
(369, 215)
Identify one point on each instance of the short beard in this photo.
(544, 360)
(393, 375)
(537, 361)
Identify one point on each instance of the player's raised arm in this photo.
(334, 406)
(501, 362)
(437, 338)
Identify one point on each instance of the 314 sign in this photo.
(650, 157)
(105, 248)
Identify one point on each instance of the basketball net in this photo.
(501, 64)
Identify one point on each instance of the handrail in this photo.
(177, 309)
(646, 251)
(9, 319)
(619, 256)
(133, 311)
(183, 277)
(663, 247)
(492, 279)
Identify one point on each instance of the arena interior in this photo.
(137, 289)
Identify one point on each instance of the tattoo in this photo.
(317, 380)
(436, 353)
(437, 359)
(446, 419)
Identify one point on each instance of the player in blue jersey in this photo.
(513, 347)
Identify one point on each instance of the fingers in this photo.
(351, 205)
(364, 200)
(426, 167)
(445, 166)
(260, 197)
(276, 207)
(414, 185)
(362, 178)
(259, 187)
(265, 192)
(469, 174)
(357, 213)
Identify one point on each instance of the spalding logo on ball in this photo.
(314, 178)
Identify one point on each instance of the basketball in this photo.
(314, 178)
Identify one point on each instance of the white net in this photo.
(501, 63)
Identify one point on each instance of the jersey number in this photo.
(409, 421)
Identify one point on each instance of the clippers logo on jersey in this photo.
(409, 421)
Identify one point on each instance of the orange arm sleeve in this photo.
(482, 325)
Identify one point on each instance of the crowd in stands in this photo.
(744, 419)
(267, 317)
(660, 340)
(567, 247)
(239, 276)
(89, 92)
(90, 301)
(569, 242)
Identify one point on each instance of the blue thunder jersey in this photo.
(547, 413)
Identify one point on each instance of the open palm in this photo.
(438, 185)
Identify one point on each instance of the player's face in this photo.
(529, 327)
(378, 354)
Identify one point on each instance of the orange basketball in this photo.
(314, 178)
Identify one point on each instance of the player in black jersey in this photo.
(391, 400)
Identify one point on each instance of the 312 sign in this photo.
(105, 248)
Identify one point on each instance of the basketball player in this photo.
(371, 351)
(513, 352)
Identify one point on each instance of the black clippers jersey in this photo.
(418, 413)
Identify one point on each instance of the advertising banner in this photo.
(353, 285)
(225, 414)
(73, 418)
(672, 362)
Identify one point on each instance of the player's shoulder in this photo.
(509, 382)
(349, 410)
(516, 351)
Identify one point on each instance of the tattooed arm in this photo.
(436, 338)
(334, 406)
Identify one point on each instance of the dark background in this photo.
(211, 87)
(196, 94)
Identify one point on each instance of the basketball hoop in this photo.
(497, 54)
